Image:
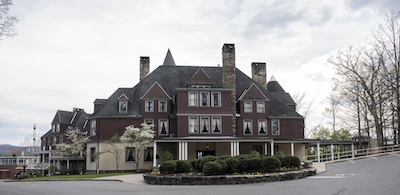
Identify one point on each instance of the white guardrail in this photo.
(333, 156)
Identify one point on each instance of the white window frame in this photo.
(149, 122)
(54, 140)
(165, 126)
(127, 157)
(260, 107)
(121, 107)
(92, 154)
(247, 122)
(193, 99)
(165, 106)
(58, 128)
(216, 121)
(205, 123)
(193, 125)
(149, 106)
(53, 128)
(248, 107)
(207, 99)
(275, 127)
(93, 130)
(60, 139)
(213, 99)
(262, 122)
(148, 150)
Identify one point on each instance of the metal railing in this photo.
(333, 156)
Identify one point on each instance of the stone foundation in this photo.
(178, 179)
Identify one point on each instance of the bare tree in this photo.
(361, 68)
(115, 147)
(7, 22)
(333, 110)
(304, 108)
(387, 41)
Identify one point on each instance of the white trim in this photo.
(248, 89)
(123, 97)
(210, 114)
(169, 97)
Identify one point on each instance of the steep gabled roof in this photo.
(276, 89)
(172, 77)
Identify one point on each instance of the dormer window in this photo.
(123, 103)
(123, 106)
(58, 128)
(53, 128)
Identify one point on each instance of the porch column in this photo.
(332, 154)
(183, 151)
(234, 148)
(266, 148)
(67, 163)
(318, 152)
(154, 154)
(272, 148)
(292, 149)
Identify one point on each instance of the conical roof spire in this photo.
(169, 60)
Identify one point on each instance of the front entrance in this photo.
(205, 153)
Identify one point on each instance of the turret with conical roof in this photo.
(169, 60)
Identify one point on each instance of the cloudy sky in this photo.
(68, 53)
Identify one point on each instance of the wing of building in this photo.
(197, 111)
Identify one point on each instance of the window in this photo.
(216, 125)
(123, 106)
(193, 99)
(49, 141)
(130, 154)
(247, 127)
(163, 127)
(53, 129)
(148, 154)
(162, 106)
(204, 99)
(58, 128)
(150, 122)
(149, 106)
(193, 125)
(54, 140)
(262, 127)
(248, 107)
(93, 128)
(275, 127)
(216, 99)
(200, 86)
(60, 139)
(205, 125)
(92, 154)
(260, 107)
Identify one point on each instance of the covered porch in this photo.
(197, 147)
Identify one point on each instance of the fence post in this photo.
(352, 151)
(318, 153)
(332, 154)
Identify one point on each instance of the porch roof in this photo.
(214, 139)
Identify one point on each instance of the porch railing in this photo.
(332, 155)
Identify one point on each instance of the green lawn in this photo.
(73, 177)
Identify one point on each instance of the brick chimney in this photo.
(144, 66)
(229, 77)
(259, 73)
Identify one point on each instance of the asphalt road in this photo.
(378, 175)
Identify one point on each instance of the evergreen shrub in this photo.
(212, 168)
(168, 167)
(290, 161)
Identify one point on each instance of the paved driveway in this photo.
(380, 175)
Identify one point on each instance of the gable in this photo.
(156, 92)
(253, 93)
(200, 77)
(123, 97)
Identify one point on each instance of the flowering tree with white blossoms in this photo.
(139, 138)
(76, 146)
